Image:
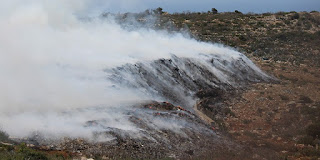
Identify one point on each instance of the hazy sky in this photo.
(205, 5)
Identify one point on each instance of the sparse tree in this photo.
(236, 11)
(159, 11)
(214, 11)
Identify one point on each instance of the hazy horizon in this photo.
(245, 6)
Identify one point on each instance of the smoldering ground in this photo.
(57, 69)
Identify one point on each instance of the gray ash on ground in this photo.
(155, 130)
(193, 138)
(178, 79)
(151, 143)
(165, 129)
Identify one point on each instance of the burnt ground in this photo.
(199, 140)
(263, 121)
(196, 140)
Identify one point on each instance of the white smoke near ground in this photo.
(52, 62)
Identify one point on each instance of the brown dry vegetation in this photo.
(276, 116)
(282, 118)
(285, 36)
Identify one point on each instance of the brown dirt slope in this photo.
(270, 118)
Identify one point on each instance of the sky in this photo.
(245, 6)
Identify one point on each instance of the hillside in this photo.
(281, 117)
(276, 119)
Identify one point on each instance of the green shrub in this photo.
(305, 99)
(238, 12)
(281, 13)
(214, 11)
(295, 16)
(307, 140)
(310, 152)
(28, 153)
(284, 97)
(314, 130)
(267, 14)
(242, 38)
(246, 121)
(4, 137)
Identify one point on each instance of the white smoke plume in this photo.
(52, 62)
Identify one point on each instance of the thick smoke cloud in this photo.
(52, 63)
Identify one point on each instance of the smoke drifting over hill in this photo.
(55, 65)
